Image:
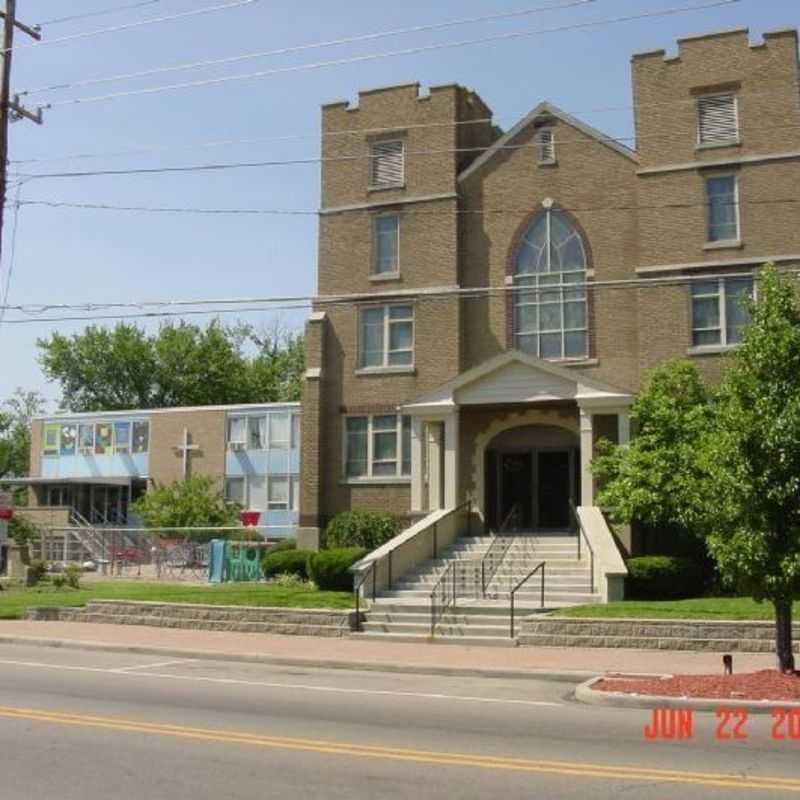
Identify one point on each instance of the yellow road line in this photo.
(574, 769)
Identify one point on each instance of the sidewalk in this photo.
(553, 663)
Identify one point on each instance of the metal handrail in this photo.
(496, 551)
(538, 567)
(357, 584)
(443, 581)
(582, 535)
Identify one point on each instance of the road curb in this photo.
(256, 658)
(584, 693)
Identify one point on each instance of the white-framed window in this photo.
(141, 436)
(722, 208)
(386, 244)
(51, 439)
(86, 438)
(235, 491)
(387, 164)
(720, 310)
(278, 497)
(377, 446)
(545, 142)
(256, 433)
(237, 432)
(551, 322)
(387, 336)
(257, 492)
(296, 432)
(279, 430)
(717, 120)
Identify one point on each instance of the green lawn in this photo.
(14, 602)
(700, 608)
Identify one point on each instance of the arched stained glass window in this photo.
(551, 323)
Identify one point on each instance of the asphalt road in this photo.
(89, 726)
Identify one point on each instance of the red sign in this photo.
(6, 500)
(249, 518)
(6, 513)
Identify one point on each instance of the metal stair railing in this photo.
(516, 588)
(582, 536)
(497, 550)
(87, 535)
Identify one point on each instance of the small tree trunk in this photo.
(783, 636)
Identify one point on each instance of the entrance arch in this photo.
(531, 473)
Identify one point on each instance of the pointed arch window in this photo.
(550, 315)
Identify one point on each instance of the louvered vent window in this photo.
(546, 146)
(386, 164)
(717, 120)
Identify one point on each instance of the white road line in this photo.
(297, 686)
(153, 666)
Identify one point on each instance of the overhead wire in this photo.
(100, 13)
(505, 15)
(129, 25)
(289, 302)
(513, 35)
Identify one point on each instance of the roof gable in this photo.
(549, 109)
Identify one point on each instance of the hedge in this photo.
(330, 569)
(292, 561)
(663, 578)
(368, 529)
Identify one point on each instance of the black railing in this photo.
(497, 550)
(516, 588)
(583, 537)
(443, 595)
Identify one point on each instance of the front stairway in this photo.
(403, 613)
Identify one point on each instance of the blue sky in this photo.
(70, 256)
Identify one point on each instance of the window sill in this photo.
(387, 188)
(366, 371)
(718, 145)
(384, 276)
(711, 349)
(547, 163)
(375, 481)
(724, 244)
(574, 362)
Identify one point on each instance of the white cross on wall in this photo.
(184, 449)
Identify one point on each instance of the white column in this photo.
(417, 466)
(451, 460)
(623, 427)
(587, 444)
(434, 438)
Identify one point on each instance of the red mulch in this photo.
(766, 684)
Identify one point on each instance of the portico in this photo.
(515, 431)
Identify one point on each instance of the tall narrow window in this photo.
(68, 435)
(141, 436)
(51, 436)
(377, 446)
(550, 319)
(122, 438)
(545, 146)
(86, 438)
(720, 311)
(717, 120)
(723, 209)
(386, 245)
(387, 336)
(386, 164)
(279, 430)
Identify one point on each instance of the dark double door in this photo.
(531, 490)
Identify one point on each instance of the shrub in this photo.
(36, 571)
(289, 580)
(368, 529)
(280, 547)
(72, 576)
(330, 569)
(663, 578)
(22, 530)
(291, 561)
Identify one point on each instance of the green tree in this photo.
(105, 369)
(196, 502)
(15, 431)
(659, 479)
(753, 459)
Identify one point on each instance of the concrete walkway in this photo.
(541, 662)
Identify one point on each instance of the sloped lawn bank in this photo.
(705, 608)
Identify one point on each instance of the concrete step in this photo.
(551, 598)
(479, 641)
(480, 608)
(442, 629)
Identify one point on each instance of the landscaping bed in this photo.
(15, 601)
(762, 685)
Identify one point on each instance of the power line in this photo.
(310, 46)
(139, 23)
(409, 212)
(315, 160)
(101, 13)
(13, 254)
(391, 54)
(169, 308)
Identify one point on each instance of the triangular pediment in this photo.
(516, 377)
(546, 109)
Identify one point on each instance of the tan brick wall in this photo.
(37, 434)
(206, 429)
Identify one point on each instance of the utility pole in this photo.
(10, 109)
